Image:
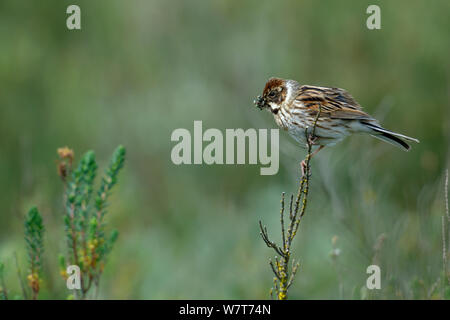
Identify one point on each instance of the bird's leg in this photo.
(317, 151)
(303, 163)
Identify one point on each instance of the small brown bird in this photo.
(295, 109)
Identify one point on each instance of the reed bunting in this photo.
(295, 108)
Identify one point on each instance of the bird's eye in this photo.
(272, 94)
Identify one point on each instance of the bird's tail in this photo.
(394, 138)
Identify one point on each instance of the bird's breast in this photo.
(281, 119)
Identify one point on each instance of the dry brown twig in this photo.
(284, 276)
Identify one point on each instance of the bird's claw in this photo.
(312, 139)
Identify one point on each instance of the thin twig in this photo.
(283, 277)
(266, 239)
(275, 272)
(282, 222)
(291, 215)
(294, 272)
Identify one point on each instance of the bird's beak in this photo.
(259, 102)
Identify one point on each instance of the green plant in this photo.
(283, 275)
(34, 235)
(87, 242)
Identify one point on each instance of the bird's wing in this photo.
(335, 103)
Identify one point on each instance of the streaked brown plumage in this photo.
(295, 108)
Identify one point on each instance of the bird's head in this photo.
(273, 95)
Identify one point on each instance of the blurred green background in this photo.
(138, 70)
